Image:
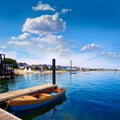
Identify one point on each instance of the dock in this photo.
(4, 115)
(6, 70)
(18, 93)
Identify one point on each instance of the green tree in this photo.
(11, 61)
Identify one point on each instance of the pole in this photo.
(4, 66)
(53, 72)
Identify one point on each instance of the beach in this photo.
(22, 72)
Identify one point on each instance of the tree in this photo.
(11, 62)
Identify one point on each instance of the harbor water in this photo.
(89, 95)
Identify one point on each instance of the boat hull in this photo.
(48, 101)
(73, 72)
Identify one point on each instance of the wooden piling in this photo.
(53, 72)
(4, 71)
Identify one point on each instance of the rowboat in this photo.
(41, 98)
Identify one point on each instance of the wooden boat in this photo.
(41, 98)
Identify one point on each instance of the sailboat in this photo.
(72, 71)
(29, 70)
(25, 69)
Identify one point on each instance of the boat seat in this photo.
(43, 95)
(25, 97)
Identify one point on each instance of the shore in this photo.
(22, 72)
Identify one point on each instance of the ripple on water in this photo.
(89, 95)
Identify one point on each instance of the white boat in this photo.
(25, 69)
(29, 70)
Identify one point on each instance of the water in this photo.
(89, 96)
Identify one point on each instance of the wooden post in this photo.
(11, 74)
(4, 67)
(53, 72)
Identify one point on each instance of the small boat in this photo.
(72, 72)
(45, 97)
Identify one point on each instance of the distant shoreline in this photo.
(22, 72)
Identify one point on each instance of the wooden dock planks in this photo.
(7, 116)
(17, 93)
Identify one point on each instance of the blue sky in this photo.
(84, 31)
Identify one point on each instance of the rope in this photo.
(7, 105)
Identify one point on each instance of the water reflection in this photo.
(90, 96)
(34, 113)
(3, 87)
(41, 76)
(27, 77)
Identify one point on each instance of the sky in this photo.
(84, 31)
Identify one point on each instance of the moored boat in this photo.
(41, 98)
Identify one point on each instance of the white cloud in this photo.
(45, 24)
(44, 45)
(23, 43)
(90, 47)
(43, 7)
(22, 36)
(49, 39)
(52, 44)
(59, 50)
(111, 54)
(65, 10)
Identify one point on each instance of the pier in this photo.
(13, 94)
(18, 93)
(4, 71)
(4, 115)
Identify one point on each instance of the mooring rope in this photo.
(7, 105)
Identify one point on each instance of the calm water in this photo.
(89, 96)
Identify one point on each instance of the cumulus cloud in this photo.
(49, 39)
(52, 44)
(22, 36)
(90, 47)
(59, 50)
(45, 24)
(64, 10)
(43, 7)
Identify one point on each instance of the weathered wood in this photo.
(18, 93)
(53, 72)
(7, 116)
